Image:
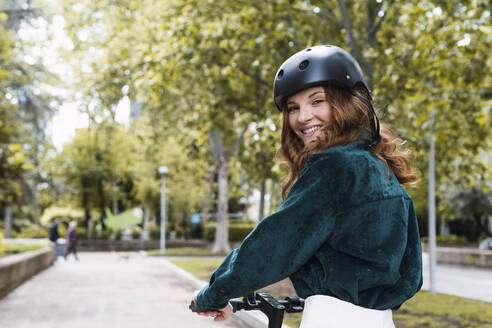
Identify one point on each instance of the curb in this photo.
(254, 319)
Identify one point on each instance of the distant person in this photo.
(71, 242)
(54, 235)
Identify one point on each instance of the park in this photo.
(140, 144)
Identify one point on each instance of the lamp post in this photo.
(432, 209)
(163, 170)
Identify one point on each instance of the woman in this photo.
(346, 233)
(72, 240)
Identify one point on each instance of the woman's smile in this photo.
(308, 112)
(310, 131)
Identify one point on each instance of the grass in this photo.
(424, 310)
(11, 249)
(183, 251)
(443, 311)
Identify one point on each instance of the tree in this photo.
(13, 159)
(208, 66)
(474, 205)
(32, 99)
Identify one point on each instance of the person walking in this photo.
(346, 233)
(72, 240)
(53, 237)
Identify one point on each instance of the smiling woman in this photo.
(346, 234)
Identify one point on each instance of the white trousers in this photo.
(321, 311)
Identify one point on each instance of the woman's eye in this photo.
(318, 101)
(292, 108)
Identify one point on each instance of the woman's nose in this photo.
(305, 114)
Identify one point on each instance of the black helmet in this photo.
(320, 65)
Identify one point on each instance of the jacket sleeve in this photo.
(278, 246)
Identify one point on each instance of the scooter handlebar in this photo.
(254, 302)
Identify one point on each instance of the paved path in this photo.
(104, 290)
(467, 282)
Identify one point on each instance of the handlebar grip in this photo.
(237, 305)
(194, 307)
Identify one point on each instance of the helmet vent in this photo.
(280, 74)
(309, 49)
(303, 65)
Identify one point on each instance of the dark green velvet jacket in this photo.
(346, 229)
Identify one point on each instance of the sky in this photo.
(46, 50)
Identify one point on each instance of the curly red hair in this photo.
(350, 117)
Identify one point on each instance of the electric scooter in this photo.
(274, 309)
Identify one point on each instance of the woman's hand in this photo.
(219, 315)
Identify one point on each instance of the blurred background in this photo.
(97, 95)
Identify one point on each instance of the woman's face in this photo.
(308, 112)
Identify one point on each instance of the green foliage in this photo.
(203, 67)
(13, 157)
(180, 233)
(440, 310)
(97, 160)
(82, 232)
(237, 231)
(155, 233)
(65, 214)
(472, 203)
(32, 232)
(11, 249)
(202, 268)
(181, 251)
(1, 243)
(448, 239)
(136, 232)
(128, 218)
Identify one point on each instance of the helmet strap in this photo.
(374, 121)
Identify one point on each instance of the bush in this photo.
(81, 232)
(179, 232)
(237, 231)
(1, 243)
(11, 249)
(136, 233)
(118, 234)
(105, 234)
(32, 232)
(447, 239)
(64, 213)
(155, 232)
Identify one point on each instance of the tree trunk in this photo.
(145, 223)
(8, 222)
(220, 158)
(34, 204)
(261, 212)
(207, 204)
(114, 200)
(87, 220)
(221, 243)
(482, 228)
(102, 203)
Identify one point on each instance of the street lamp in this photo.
(432, 208)
(163, 170)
